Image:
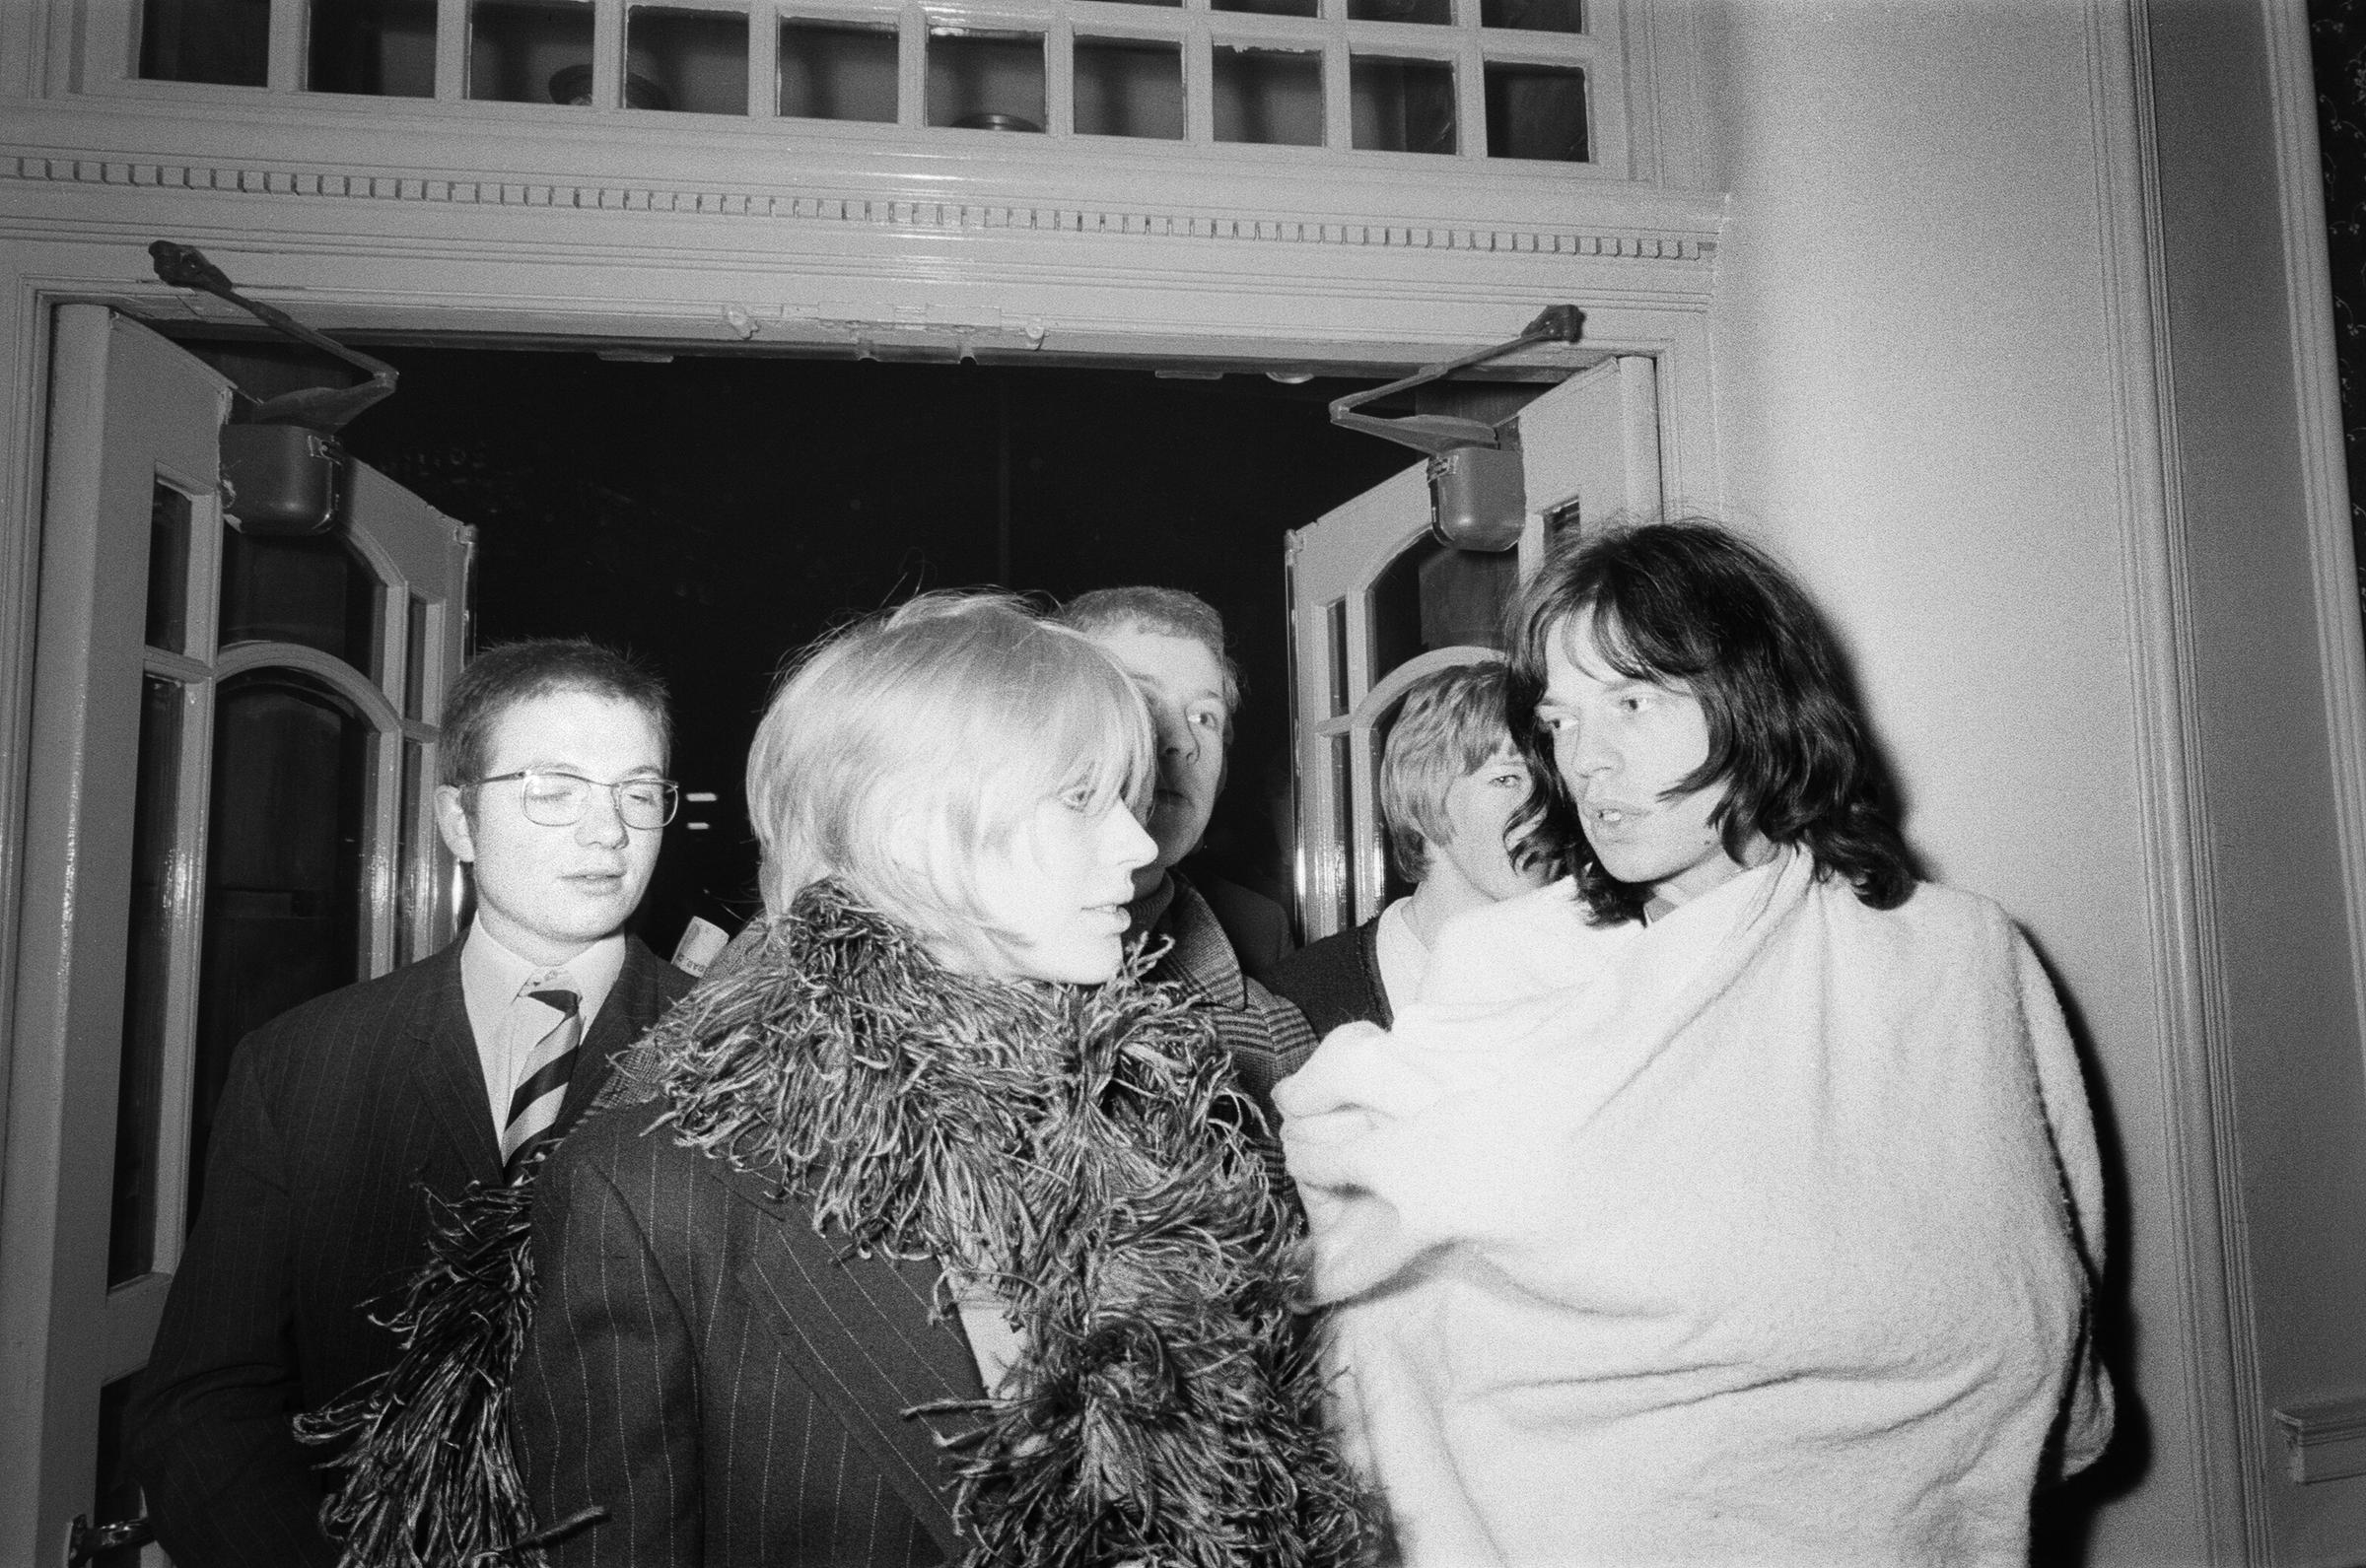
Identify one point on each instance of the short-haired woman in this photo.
(930, 1235)
(1452, 783)
(1733, 1199)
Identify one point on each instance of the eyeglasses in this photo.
(560, 799)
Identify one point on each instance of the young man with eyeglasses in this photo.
(343, 1118)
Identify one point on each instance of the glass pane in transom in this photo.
(838, 71)
(1535, 111)
(530, 52)
(1269, 96)
(1129, 86)
(694, 62)
(385, 49)
(1537, 16)
(1428, 13)
(1268, 8)
(986, 81)
(1402, 105)
(224, 41)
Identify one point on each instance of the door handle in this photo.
(88, 1541)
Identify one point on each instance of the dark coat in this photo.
(1337, 979)
(1254, 926)
(339, 1119)
(714, 1374)
(1267, 1037)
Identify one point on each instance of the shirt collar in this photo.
(491, 975)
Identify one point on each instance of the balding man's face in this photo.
(1184, 686)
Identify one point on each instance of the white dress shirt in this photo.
(491, 979)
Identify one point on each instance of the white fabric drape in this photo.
(1763, 1234)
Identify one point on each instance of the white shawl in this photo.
(1760, 1235)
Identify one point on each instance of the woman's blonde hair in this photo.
(899, 751)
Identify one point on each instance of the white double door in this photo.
(229, 810)
(1376, 602)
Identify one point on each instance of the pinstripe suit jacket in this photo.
(336, 1116)
(714, 1375)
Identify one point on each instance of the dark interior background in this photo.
(2337, 48)
(714, 514)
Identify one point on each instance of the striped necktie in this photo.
(534, 1106)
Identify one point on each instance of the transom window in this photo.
(1489, 79)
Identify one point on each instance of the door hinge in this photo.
(88, 1541)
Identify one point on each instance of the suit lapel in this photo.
(449, 1076)
(1202, 954)
(859, 1333)
(638, 998)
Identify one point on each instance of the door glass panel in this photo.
(1129, 86)
(415, 869)
(116, 1495)
(224, 42)
(1402, 105)
(1431, 596)
(1464, 596)
(168, 525)
(1394, 606)
(316, 592)
(147, 966)
(696, 61)
(1537, 16)
(986, 81)
(530, 52)
(385, 49)
(1535, 111)
(284, 866)
(1342, 824)
(1384, 868)
(415, 657)
(1269, 96)
(832, 71)
(1335, 633)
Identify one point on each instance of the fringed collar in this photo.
(1081, 1153)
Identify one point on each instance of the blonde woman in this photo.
(930, 1236)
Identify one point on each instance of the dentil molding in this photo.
(312, 184)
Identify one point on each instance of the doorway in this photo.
(714, 513)
(711, 514)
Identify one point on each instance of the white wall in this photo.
(2089, 637)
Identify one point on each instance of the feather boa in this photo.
(1077, 1153)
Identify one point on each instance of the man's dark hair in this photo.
(1688, 604)
(499, 678)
